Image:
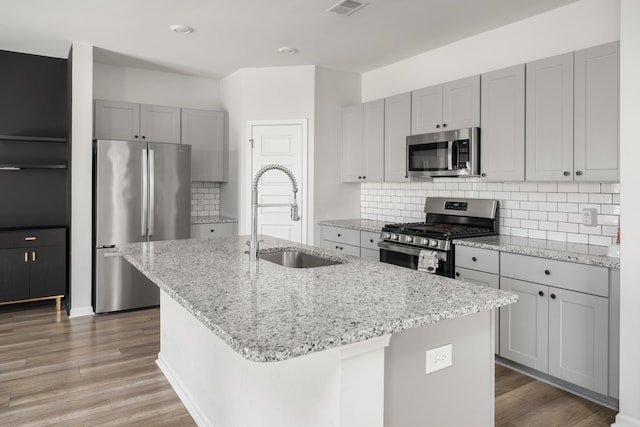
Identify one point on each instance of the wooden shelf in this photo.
(21, 166)
(32, 138)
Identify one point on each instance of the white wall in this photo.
(81, 172)
(630, 203)
(271, 93)
(331, 198)
(153, 87)
(579, 25)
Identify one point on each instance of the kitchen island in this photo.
(341, 345)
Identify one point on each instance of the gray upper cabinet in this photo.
(549, 114)
(135, 122)
(596, 138)
(502, 125)
(397, 126)
(452, 105)
(363, 142)
(205, 131)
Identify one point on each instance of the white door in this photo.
(280, 144)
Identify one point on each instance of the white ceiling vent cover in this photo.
(346, 7)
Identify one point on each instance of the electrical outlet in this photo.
(590, 217)
(439, 358)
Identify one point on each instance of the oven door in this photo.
(406, 256)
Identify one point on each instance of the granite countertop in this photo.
(563, 251)
(211, 219)
(267, 312)
(356, 224)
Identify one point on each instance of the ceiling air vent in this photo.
(346, 7)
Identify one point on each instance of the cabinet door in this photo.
(373, 141)
(204, 131)
(597, 99)
(426, 110)
(461, 103)
(116, 120)
(578, 339)
(48, 275)
(352, 143)
(397, 126)
(502, 139)
(14, 274)
(524, 325)
(549, 119)
(160, 124)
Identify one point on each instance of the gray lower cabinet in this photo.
(560, 324)
(128, 121)
(351, 242)
(33, 264)
(502, 124)
(208, 231)
(205, 131)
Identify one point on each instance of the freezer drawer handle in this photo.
(112, 254)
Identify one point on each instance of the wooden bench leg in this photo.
(58, 304)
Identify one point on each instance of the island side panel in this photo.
(460, 395)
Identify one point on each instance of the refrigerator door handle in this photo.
(145, 196)
(152, 190)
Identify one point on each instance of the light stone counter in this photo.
(563, 251)
(355, 224)
(272, 313)
(215, 219)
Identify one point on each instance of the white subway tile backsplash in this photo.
(538, 210)
(205, 198)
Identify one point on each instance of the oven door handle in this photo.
(399, 248)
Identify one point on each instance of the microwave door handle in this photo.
(450, 156)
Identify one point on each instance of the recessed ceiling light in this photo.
(287, 50)
(181, 29)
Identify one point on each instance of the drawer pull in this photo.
(212, 230)
(339, 235)
(26, 257)
(33, 256)
(474, 259)
(30, 239)
(371, 240)
(547, 272)
(541, 293)
(457, 274)
(553, 296)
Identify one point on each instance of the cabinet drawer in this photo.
(36, 238)
(370, 253)
(478, 259)
(207, 231)
(341, 247)
(589, 279)
(341, 235)
(478, 277)
(369, 240)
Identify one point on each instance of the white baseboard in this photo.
(195, 412)
(625, 421)
(81, 311)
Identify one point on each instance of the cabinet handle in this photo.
(33, 256)
(212, 230)
(364, 177)
(337, 247)
(444, 125)
(547, 272)
(553, 296)
(26, 257)
(457, 274)
(483, 174)
(566, 173)
(339, 235)
(341, 248)
(359, 177)
(474, 259)
(144, 137)
(30, 238)
(578, 173)
(438, 126)
(371, 240)
(135, 136)
(541, 293)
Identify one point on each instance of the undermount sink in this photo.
(297, 259)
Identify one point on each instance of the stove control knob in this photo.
(409, 239)
(424, 242)
(434, 243)
(387, 235)
(394, 236)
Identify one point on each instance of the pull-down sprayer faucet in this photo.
(253, 243)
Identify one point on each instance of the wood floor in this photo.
(100, 370)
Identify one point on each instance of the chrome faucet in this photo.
(253, 243)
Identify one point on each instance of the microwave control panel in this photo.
(463, 154)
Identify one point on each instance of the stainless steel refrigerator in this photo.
(142, 193)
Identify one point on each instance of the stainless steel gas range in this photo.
(427, 245)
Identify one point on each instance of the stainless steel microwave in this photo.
(441, 154)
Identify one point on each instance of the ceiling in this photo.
(233, 34)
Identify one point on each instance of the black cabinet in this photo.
(33, 264)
